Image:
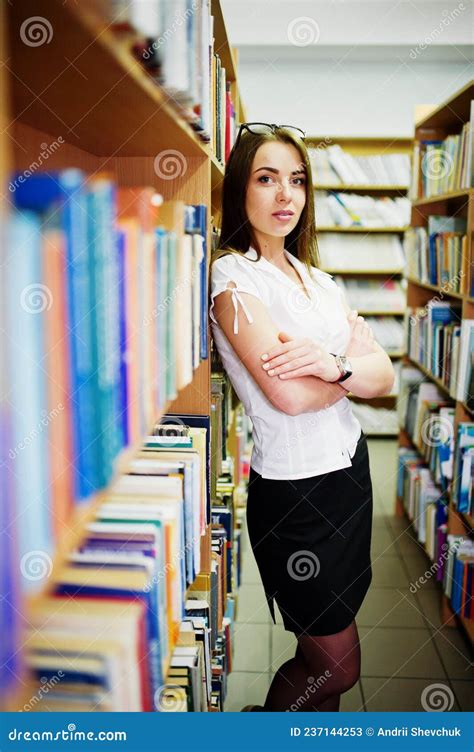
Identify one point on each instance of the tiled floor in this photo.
(404, 648)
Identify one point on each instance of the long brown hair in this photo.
(236, 230)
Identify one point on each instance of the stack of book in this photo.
(370, 295)
(113, 613)
(361, 253)
(433, 335)
(333, 166)
(424, 505)
(462, 494)
(335, 209)
(175, 43)
(120, 287)
(437, 254)
(459, 575)
(444, 165)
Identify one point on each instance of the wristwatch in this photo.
(344, 366)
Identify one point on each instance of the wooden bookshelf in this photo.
(448, 118)
(86, 86)
(442, 197)
(366, 147)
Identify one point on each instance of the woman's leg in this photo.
(323, 668)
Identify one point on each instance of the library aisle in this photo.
(405, 648)
(196, 196)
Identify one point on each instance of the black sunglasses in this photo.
(259, 128)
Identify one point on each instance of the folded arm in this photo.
(373, 374)
(305, 394)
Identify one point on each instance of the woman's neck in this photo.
(273, 250)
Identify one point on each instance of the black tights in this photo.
(322, 669)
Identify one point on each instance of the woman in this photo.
(280, 325)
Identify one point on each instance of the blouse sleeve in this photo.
(232, 269)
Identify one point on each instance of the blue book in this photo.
(104, 270)
(65, 190)
(200, 421)
(433, 260)
(123, 391)
(28, 456)
(456, 593)
(196, 221)
(147, 594)
(10, 656)
(469, 583)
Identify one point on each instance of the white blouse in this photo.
(288, 446)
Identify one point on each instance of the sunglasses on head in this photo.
(259, 128)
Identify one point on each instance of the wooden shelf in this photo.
(442, 197)
(433, 378)
(452, 113)
(85, 86)
(427, 286)
(358, 229)
(440, 122)
(467, 409)
(97, 96)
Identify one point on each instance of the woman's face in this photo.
(277, 183)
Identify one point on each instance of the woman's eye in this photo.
(302, 181)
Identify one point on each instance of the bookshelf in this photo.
(84, 89)
(435, 125)
(365, 147)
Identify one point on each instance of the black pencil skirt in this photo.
(311, 540)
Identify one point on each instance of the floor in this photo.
(405, 649)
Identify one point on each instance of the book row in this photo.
(428, 417)
(333, 165)
(138, 615)
(386, 295)
(107, 319)
(444, 165)
(442, 343)
(359, 252)
(452, 556)
(352, 210)
(175, 42)
(438, 254)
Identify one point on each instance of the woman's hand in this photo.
(362, 336)
(299, 357)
